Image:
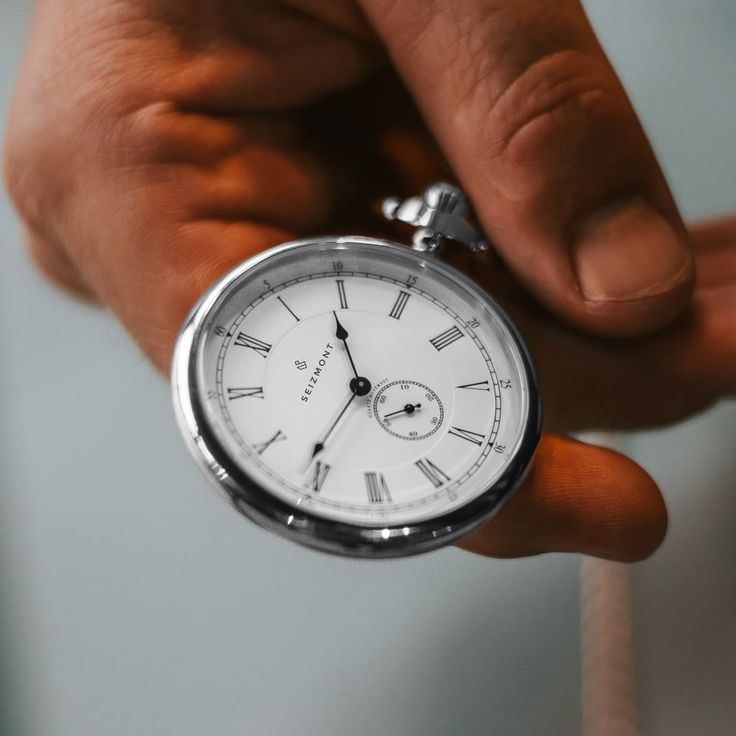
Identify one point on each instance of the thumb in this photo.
(538, 129)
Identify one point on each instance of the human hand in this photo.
(605, 384)
(145, 130)
(155, 143)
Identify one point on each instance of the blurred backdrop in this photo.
(133, 601)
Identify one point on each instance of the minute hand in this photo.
(319, 446)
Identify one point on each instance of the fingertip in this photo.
(578, 498)
(627, 521)
(602, 503)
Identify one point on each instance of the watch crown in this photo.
(439, 215)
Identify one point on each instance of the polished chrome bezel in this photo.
(310, 530)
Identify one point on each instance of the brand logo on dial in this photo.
(314, 378)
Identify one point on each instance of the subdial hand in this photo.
(320, 445)
(408, 409)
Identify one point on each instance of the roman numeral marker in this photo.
(261, 447)
(246, 341)
(288, 309)
(341, 293)
(318, 477)
(375, 484)
(447, 338)
(434, 475)
(398, 308)
(466, 434)
(477, 386)
(244, 393)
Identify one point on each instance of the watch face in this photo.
(355, 382)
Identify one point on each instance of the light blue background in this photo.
(134, 602)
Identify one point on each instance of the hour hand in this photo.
(342, 334)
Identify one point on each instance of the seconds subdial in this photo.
(408, 410)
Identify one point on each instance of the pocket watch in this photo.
(359, 396)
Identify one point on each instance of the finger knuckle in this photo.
(555, 90)
(17, 169)
(56, 268)
(39, 164)
(559, 104)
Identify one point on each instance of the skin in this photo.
(153, 144)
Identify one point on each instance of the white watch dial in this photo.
(360, 383)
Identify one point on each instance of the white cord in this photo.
(607, 649)
(608, 688)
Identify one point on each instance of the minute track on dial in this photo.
(319, 446)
